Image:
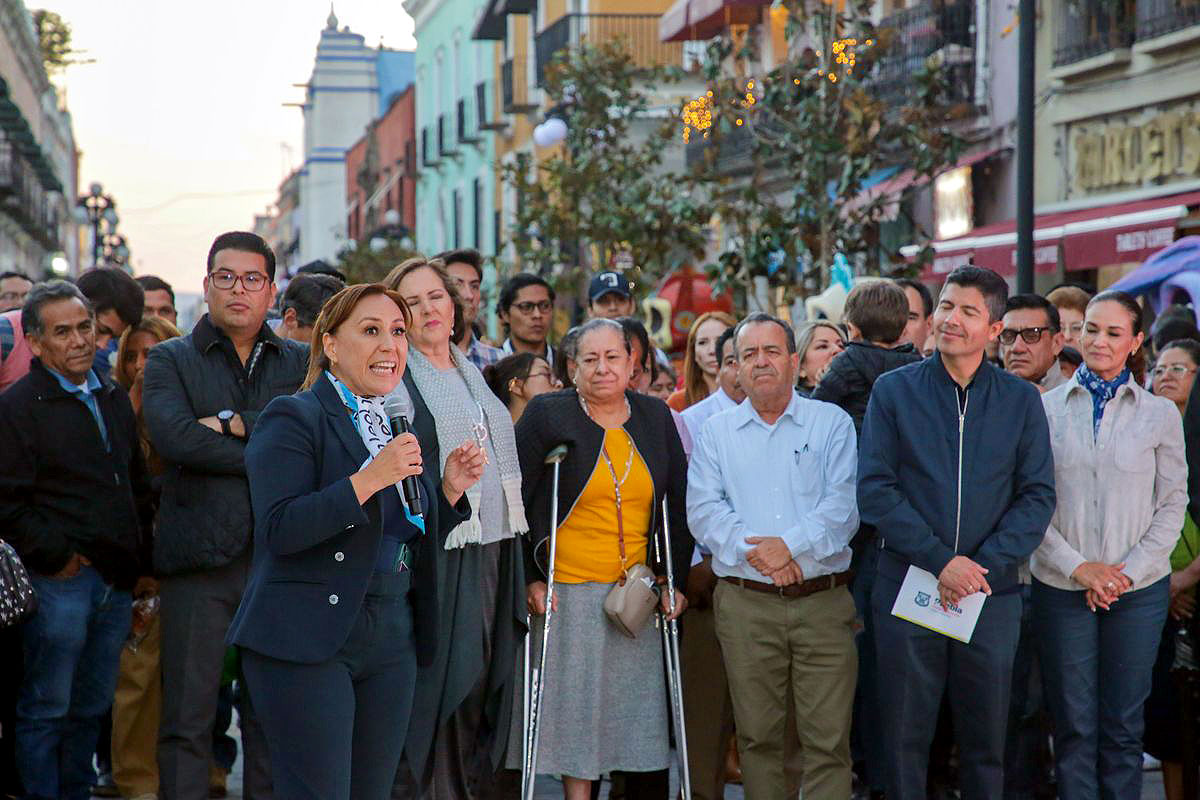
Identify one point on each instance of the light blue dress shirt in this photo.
(695, 415)
(795, 479)
(84, 392)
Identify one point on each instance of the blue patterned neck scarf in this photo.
(370, 420)
(1101, 391)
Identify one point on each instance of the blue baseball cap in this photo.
(608, 282)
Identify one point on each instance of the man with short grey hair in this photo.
(75, 504)
(771, 488)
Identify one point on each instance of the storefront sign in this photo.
(1145, 149)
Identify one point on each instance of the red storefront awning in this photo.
(1083, 239)
(697, 20)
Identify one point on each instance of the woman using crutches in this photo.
(604, 704)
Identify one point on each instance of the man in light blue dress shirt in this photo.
(771, 493)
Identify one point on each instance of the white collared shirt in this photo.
(507, 347)
(694, 416)
(795, 479)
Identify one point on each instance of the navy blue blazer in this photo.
(314, 545)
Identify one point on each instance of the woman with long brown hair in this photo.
(700, 366)
(137, 701)
(342, 601)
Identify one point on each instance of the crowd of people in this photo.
(334, 509)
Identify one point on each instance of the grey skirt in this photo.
(605, 701)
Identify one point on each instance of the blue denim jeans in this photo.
(72, 653)
(1097, 669)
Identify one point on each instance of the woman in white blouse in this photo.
(1100, 590)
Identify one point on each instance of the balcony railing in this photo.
(944, 33)
(637, 32)
(445, 138)
(429, 153)
(1088, 28)
(730, 151)
(514, 85)
(467, 128)
(23, 196)
(1159, 17)
(486, 117)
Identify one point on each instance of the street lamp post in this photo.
(100, 209)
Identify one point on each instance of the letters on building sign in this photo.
(1165, 147)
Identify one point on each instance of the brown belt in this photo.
(802, 589)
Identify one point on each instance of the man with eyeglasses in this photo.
(526, 307)
(14, 288)
(202, 394)
(1031, 340)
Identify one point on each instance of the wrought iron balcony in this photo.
(514, 85)
(446, 144)
(429, 154)
(940, 32)
(486, 117)
(637, 32)
(730, 151)
(23, 198)
(1159, 17)
(1088, 28)
(468, 126)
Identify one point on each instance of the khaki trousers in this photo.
(774, 647)
(136, 708)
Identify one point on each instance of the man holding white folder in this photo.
(956, 473)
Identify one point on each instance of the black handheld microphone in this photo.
(397, 409)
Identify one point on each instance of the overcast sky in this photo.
(181, 116)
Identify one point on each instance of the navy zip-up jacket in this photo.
(909, 480)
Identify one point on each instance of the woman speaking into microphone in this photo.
(341, 603)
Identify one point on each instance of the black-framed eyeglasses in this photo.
(528, 307)
(1030, 335)
(251, 281)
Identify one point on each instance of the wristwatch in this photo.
(224, 417)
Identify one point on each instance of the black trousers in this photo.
(921, 666)
(197, 608)
(336, 730)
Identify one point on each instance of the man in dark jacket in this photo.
(201, 395)
(75, 503)
(957, 476)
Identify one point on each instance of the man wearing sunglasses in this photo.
(202, 394)
(1031, 340)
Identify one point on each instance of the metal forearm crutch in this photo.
(670, 636)
(536, 677)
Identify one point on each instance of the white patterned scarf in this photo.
(371, 422)
(452, 431)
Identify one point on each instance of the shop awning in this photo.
(699, 20)
(894, 186)
(1082, 239)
